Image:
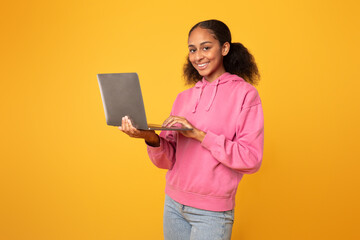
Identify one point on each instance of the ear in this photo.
(225, 48)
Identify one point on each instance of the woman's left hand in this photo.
(194, 133)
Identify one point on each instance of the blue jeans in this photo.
(182, 222)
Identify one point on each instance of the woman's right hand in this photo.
(149, 135)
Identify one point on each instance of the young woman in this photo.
(206, 164)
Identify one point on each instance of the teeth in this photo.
(201, 65)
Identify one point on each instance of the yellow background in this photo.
(65, 174)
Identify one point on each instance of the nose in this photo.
(198, 55)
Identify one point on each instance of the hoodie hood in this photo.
(200, 86)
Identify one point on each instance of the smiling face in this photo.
(206, 55)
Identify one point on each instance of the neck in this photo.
(215, 75)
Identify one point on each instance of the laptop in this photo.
(121, 96)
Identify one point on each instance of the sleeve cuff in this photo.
(209, 140)
(153, 148)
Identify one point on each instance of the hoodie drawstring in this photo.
(200, 86)
(199, 96)
(213, 95)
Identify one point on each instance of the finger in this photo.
(167, 121)
(123, 123)
(132, 130)
(128, 121)
(126, 125)
(183, 122)
(129, 124)
(186, 124)
(175, 121)
(172, 121)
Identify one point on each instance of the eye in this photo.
(206, 48)
(192, 50)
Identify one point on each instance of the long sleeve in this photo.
(206, 174)
(164, 155)
(244, 153)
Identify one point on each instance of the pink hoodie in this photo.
(206, 174)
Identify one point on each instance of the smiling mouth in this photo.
(202, 66)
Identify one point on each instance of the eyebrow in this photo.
(190, 45)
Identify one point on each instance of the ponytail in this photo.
(241, 62)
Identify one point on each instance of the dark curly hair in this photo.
(238, 61)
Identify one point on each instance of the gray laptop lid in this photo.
(121, 96)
